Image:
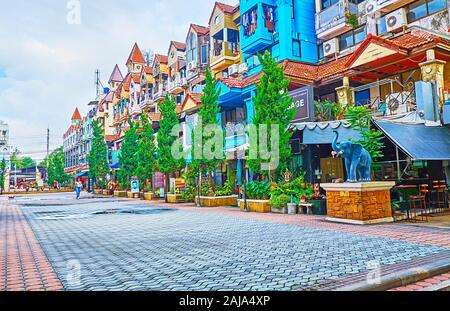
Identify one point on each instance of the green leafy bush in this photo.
(295, 189)
(280, 201)
(258, 190)
(226, 190)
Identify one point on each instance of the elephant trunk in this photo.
(335, 140)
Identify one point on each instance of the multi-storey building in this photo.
(161, 76)
(224, 38)
(5, 151)
(73, 144)
(197, 57)
(176, 64)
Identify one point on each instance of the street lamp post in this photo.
(245, 190)
(199, 188)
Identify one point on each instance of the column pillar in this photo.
(433, 71)
(345, 93)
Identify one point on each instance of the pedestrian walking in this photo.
(78, 187)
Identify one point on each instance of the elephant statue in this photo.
(357, 159)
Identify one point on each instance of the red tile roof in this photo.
(136, 55)
(76, 115)
(200, 29)
(162, 59)
(178, 45)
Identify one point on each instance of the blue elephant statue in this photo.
(357, 159)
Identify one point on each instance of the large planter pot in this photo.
(276, 210)
(292, 208)
(174, 198)
(132, 195)
(257, 206)
(120, 193)
(148, 196)
(105, 192)
(218, 201)
(319, 207)
(98, 191)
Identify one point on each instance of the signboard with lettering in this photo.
(303, 103)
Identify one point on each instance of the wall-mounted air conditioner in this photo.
(233, 70)
(371, 6)
(396, 20)
(191, 65)
(331, 47)
(243, 68)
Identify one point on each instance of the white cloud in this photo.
(49, 65)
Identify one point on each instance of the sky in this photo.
(49, 54)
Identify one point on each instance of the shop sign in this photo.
(134, 185)
(303, 103)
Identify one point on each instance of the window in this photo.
(346, 40)
(296, 48)
(321, 53)
(352, 38)
(204, 54)
(381, 25)
(436, 5)
(417, 10)
(360, 35)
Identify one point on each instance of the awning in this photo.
(82, 174)
(318, 133)
(418, 141)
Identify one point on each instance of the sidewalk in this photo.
(23, 264)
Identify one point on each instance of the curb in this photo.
(442, 287)
(402, 278)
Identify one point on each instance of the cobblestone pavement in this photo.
(110, 244)
(430, 284)
(23, 264)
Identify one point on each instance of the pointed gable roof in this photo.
(162, 59)
(76, 115)
(225, 8)
(178, 45)
(116, 75)
(136, 55)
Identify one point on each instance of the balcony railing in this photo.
(224, 48)
(176, 83)
(160, 92)
(334, 16)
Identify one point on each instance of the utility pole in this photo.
(48, 145)
(97, 82)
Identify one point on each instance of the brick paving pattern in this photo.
(23, 264)
(426, 284)
(191, 249)
(119, 244)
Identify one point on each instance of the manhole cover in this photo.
(135, 211)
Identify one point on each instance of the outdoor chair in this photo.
(418, 204)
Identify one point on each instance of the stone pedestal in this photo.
(359, 203)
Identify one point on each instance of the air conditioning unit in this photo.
(243, 68)
(233, 70)
(331, 47)
(396, 20)
(397, 103)
(371, 6)
(191, 65)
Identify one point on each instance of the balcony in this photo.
(160, 92)
(257, 34)
(331, 21)
(235, 142)
(224, 54)
(175, 86)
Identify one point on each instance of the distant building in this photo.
(5, 149)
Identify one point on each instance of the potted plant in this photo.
(279, 203)
(223, 196)
(258, 195)
(148, 194)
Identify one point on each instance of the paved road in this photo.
(112, 244)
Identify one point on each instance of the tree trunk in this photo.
(211, 184)
(167, 186)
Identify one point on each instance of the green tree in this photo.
(128, 155)
(56, 167)
(146, 153)
(208, 114)
(2, 175)
(360, 119)
(98, 157)
(272, 108)
(167, 163)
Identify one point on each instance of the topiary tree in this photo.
(167, 163)
(2, 175)
(272, 107)
(128, 155)
(146, 153)
(98, 156)
(208, 114)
